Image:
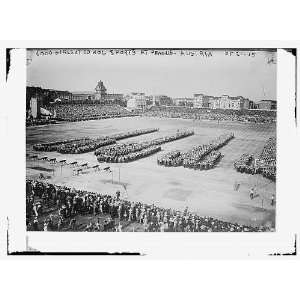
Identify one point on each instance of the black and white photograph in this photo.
(151, 140)
(149, 150)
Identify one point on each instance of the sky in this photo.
(251, 74)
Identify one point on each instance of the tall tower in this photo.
(100, 91)
(35, 108)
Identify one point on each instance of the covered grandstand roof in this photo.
(45, 112)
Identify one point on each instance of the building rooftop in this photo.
(82, 93)
(266, 100)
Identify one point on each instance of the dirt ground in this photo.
(208, 193)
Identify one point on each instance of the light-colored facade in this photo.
(228, 102)
(99, 94)
(35, 108)
(201, 101)
(183, 101)
(82, 96)
(136, 101)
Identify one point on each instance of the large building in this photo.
(136, 101)
(267, 104)
(183, 101)
(100, 94)
(228, 102)
(223, 102)
(162, 100)
(100, 91)
(82, 96)
(201, 101)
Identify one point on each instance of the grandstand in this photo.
(244, 115)
(86, 111)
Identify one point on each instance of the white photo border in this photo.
(156, 245)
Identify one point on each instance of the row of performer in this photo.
(126, 152)
(265, 164)
(201, 157)
(85, 144)
(130, 156)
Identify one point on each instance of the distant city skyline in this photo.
(174, 75)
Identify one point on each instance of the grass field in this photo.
(209, 193)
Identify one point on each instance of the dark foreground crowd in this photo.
(66, 203)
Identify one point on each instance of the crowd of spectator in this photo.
(54, 208)
(36, 122)
(253, 116)
(87, 111)
(126, 152)
(81, 145)
(201, 157)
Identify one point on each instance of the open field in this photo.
(208, 193)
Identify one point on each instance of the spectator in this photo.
(73, 112)
(252, 116)
(151, 217)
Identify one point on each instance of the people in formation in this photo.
(54, 208)
(131, 156)
(131, 151)
(267, 159)
(53, 146)
(86, 144)
(209, 161)
(201, 157)
(171, 159)
(244, 164)
(231, 115)
(265, 164)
